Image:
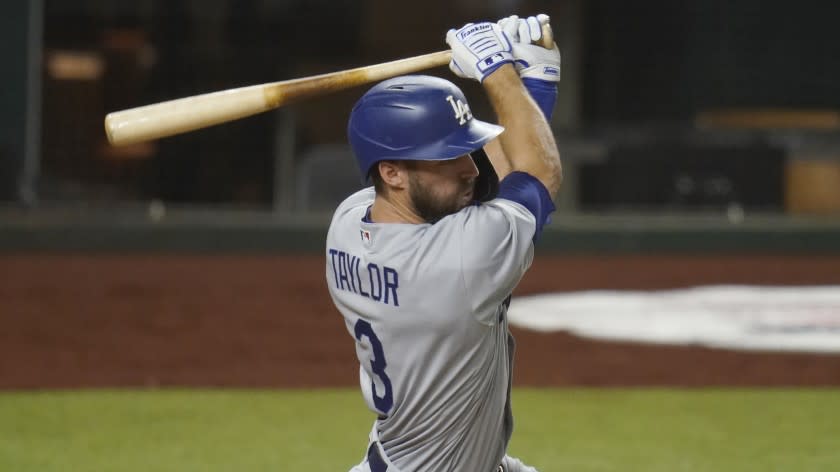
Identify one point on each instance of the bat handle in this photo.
(547, 39)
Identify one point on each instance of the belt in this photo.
(377, 464)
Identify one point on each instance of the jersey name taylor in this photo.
(379, 284)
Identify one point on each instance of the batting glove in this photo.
(532, 60)
(478, 50)
(538, 66)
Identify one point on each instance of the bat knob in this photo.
(547, 39)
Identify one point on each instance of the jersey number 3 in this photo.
(377, 364)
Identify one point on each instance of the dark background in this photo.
(657, 60)
(640, 81)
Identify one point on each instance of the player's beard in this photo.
(433, 208)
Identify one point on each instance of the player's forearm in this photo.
(497, 157)
(527, 140)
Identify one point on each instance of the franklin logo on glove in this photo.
(551, 70)
(478, 50)
(479, 28)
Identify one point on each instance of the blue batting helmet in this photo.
(416, 117)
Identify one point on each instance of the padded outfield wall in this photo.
(189, 303)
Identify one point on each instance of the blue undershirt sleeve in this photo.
(528, 191)
(544, 93)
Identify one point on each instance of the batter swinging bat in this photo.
(173, 117)
(200, 111)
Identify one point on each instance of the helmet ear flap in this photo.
(487, 183)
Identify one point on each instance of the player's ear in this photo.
(394, 174)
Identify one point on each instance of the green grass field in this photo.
(326, 430)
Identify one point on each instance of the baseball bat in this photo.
(182, 115)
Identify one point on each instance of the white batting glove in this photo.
(532, 60)
(478, 49)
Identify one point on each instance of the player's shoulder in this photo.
(503, 206)
(361, 199)
(493, 211)
(485, 225)
(351, 211)
(523, 203)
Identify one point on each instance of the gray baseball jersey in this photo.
(426, 305)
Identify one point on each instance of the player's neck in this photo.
(393, 210)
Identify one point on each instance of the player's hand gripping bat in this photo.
(173, 117)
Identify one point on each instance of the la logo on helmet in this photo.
(462, 110)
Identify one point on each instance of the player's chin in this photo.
(454, 206)
(467, 196)
(466, 202)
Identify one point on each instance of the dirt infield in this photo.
(73, 321)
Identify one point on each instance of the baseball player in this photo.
(422, 265)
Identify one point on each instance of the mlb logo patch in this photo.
(365, 235)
